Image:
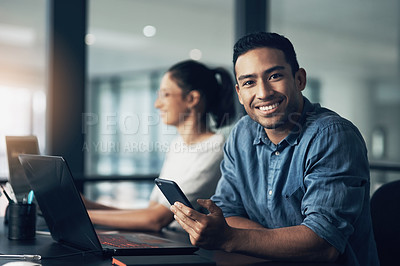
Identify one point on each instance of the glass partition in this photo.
(22, 74)
(353, 54)
(130, 46)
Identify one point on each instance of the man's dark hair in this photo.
(266, 39)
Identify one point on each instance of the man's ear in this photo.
(193, 98)
(301, 79)
(238, 93)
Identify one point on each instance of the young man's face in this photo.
(267, 89)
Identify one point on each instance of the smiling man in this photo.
(295, 176)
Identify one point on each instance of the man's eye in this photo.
(248, 83)
(275, 76)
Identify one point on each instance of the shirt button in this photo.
(277, 153)
(270, 192)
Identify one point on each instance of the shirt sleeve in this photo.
(337, 183)
(227, 196)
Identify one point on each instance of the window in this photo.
(130, 46)
(22, 74)
(355, 62)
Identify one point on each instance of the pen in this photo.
(30, 197)
(21, 257)
(5, 193)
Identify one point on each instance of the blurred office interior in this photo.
(350, 50)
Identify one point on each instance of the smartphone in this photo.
(172, 191)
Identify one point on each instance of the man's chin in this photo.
(272, 124)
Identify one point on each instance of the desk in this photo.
(45, 246)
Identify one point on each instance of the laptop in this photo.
(68, 221)
(17, 145)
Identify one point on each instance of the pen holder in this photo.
(21, 221)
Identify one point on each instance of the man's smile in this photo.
(268, 107)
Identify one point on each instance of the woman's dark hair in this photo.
(214, 85)
(266, 39)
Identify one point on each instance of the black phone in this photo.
(172, 191)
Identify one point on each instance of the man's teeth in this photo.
(269, 107)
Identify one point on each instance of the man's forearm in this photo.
(241, 222)
(291, 243)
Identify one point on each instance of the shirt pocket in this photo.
(292, 200)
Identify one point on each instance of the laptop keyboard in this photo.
(119, 241)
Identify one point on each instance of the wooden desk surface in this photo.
(45, 246)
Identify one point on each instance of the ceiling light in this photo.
(195, 54)
(90, 39)
(149, 31)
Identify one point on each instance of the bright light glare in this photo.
(39, 102)
(17, 35)
(195, 54)
(149, 31)
(15, 113)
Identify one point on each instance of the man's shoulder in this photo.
(322, 119)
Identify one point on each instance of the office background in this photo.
(350, 50)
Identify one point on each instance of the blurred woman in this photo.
(194, 99)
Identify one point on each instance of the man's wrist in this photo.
(231, 239)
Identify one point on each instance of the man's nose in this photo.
(264, 90)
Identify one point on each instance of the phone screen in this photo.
(172, 191)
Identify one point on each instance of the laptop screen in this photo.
(60, 201)
(17, 145)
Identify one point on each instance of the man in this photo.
(295, 176)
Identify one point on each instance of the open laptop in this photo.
(68, 220)
(17, 145)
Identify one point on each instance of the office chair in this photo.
(385, 212)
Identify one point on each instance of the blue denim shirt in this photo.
(318, 176)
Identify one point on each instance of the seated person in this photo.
(189, 92)
(295, 176)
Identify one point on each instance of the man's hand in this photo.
(207, 231)
(211, 231)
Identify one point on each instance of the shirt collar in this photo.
(261, 135)
(293, 137)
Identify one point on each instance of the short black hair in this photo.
(269, 40)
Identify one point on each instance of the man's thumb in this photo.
(210, 206)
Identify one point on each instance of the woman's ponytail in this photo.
(223, 107)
